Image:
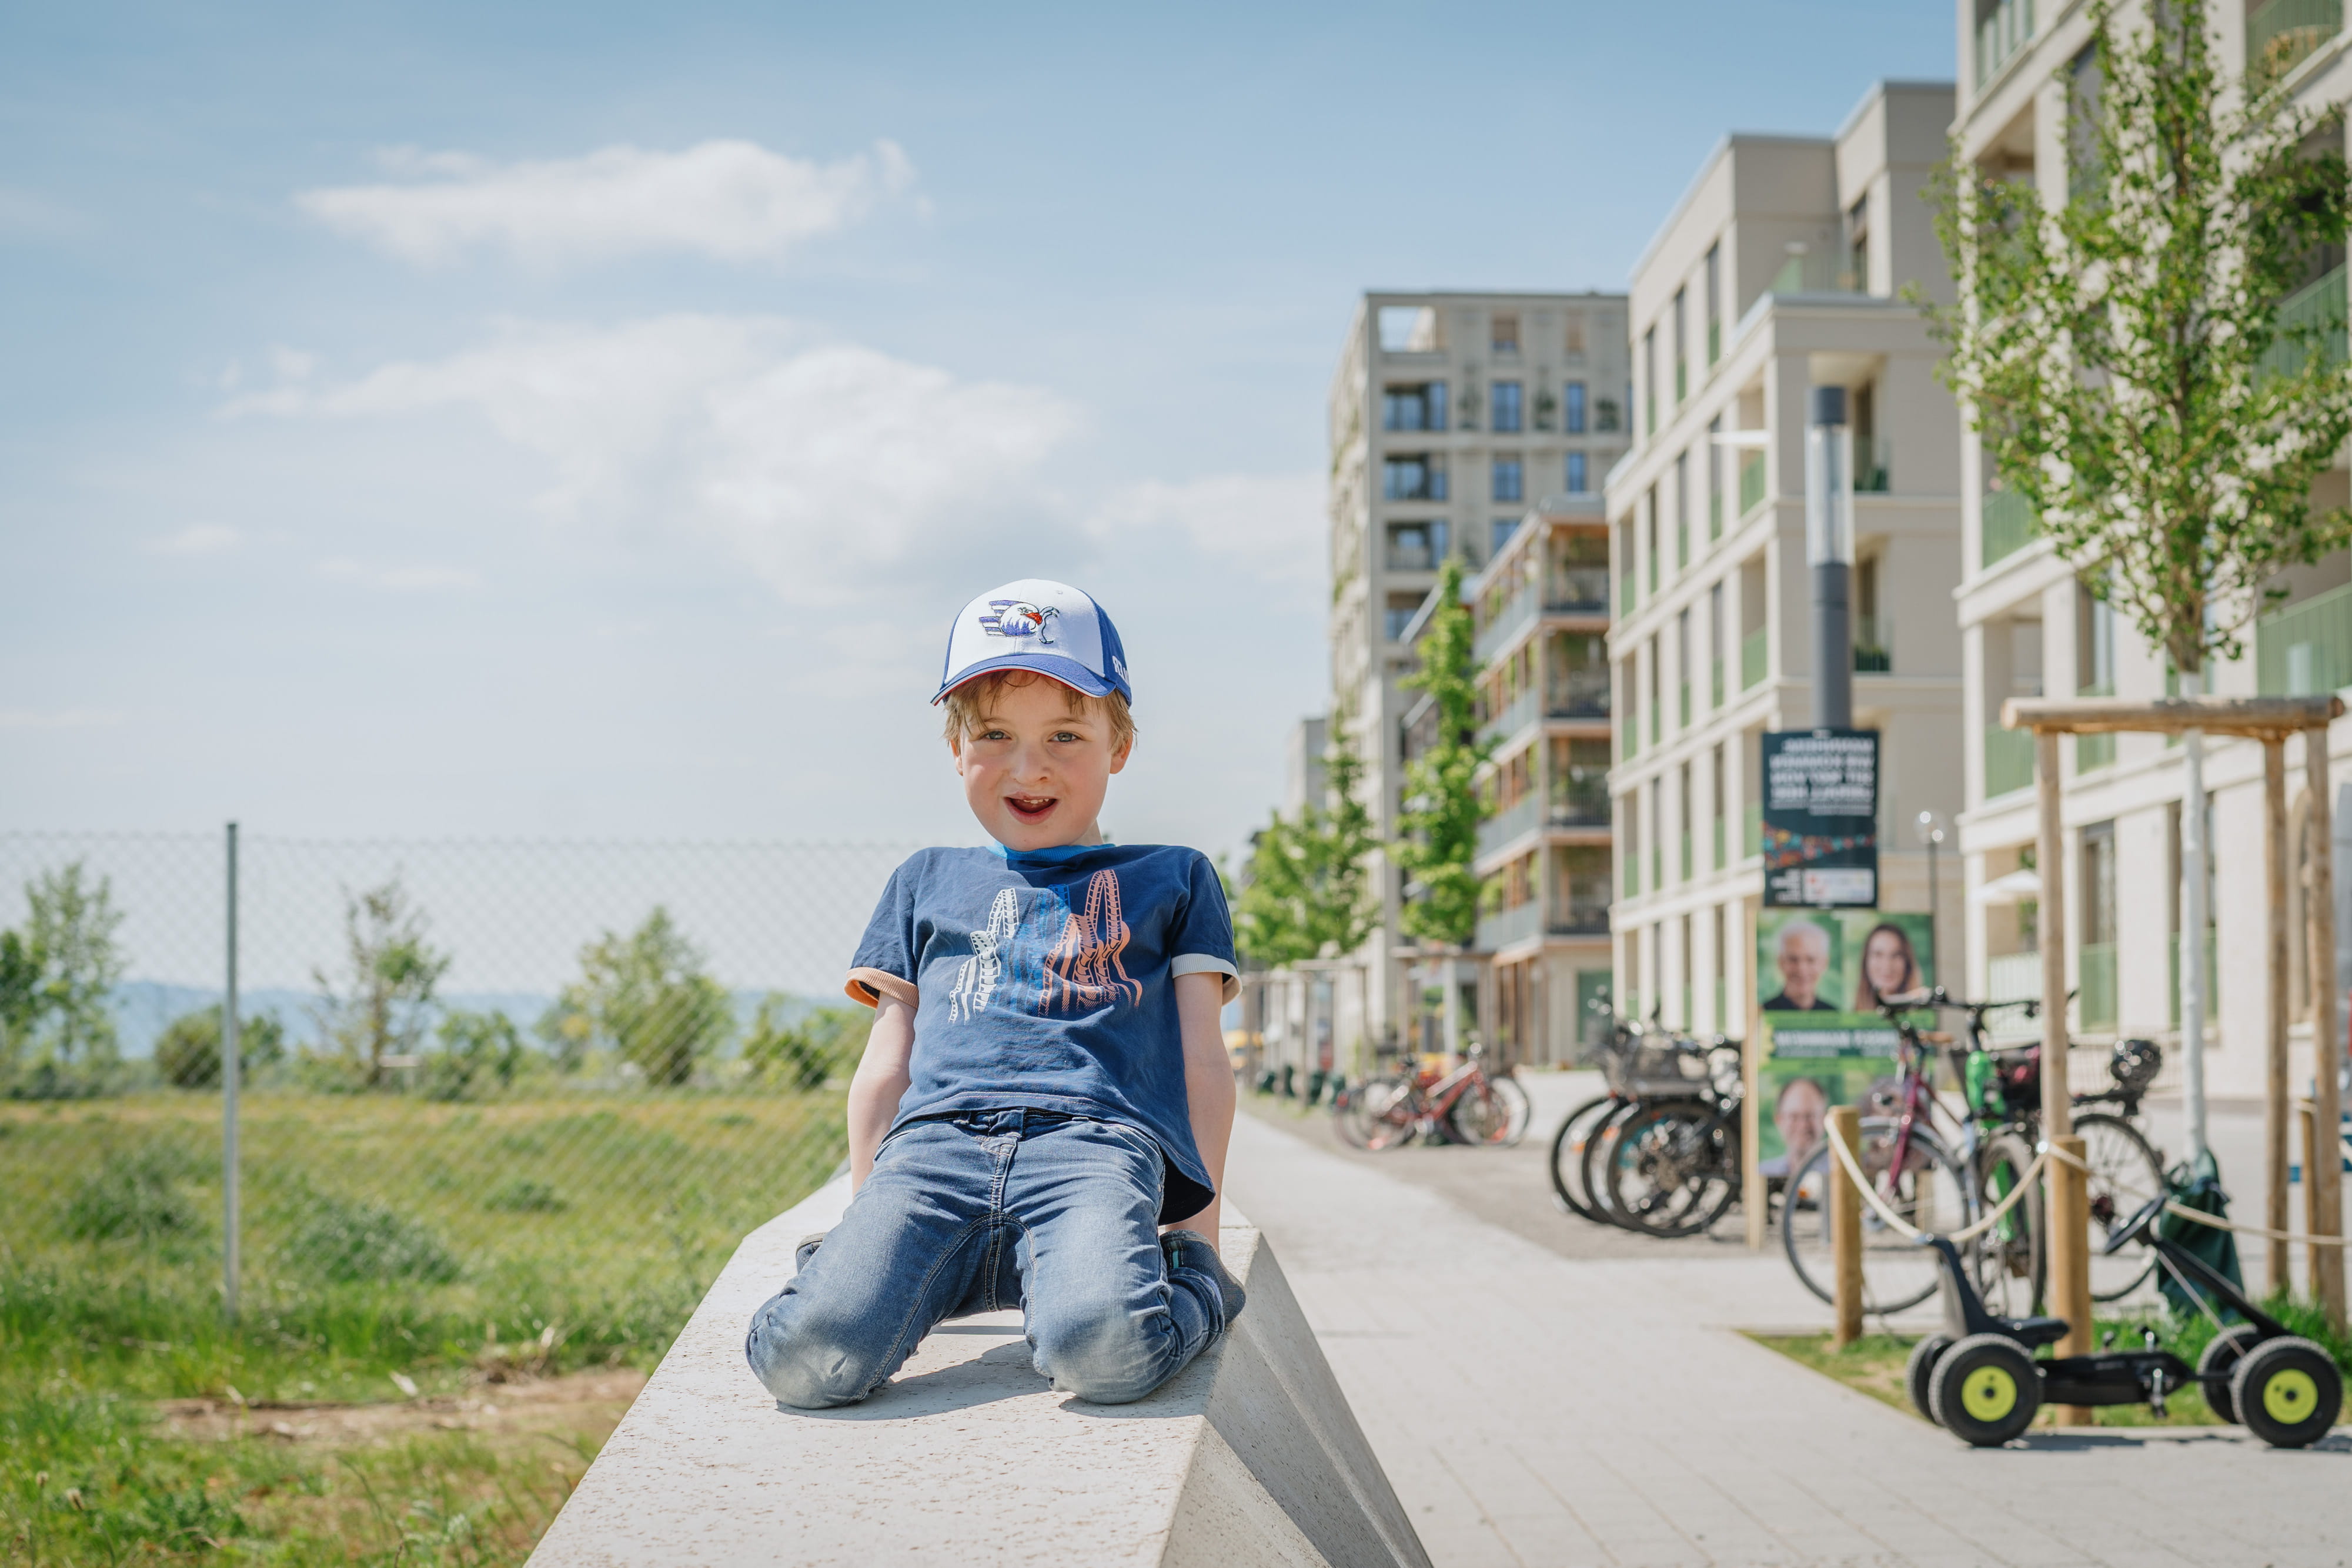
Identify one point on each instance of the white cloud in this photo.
(198, 538)
(831, 470)
(400, 579)
(731, 201)
(57, 719)
(1272, 523)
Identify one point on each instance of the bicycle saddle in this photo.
(2034, 1333)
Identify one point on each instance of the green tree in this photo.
(56, 977)
(1437, 832)
(391, 971)
(806, 1053)
(1307, 893)
(2127, 363)
(477, 1051)
(188, 1051)
(20, 1000)
(644, 997)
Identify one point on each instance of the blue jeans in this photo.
(1057, 1215)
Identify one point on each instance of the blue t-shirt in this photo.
(1045, 979)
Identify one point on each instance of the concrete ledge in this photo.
(1250, 1455)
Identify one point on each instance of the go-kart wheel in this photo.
(1985, 1390)
(2221, 1354)
(2287, 1392)
(1919, 1372)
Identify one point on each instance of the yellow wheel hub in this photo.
(2290, 1396)
(1990, 1392)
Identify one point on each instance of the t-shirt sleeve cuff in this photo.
(870, 986)
(1208, 963)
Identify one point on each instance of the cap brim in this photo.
(1067, 670)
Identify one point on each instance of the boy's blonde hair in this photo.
(968, 705)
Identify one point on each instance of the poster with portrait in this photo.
(1820, 972)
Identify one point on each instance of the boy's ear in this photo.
(1118, 759)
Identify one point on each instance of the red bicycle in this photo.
(1467, 1105)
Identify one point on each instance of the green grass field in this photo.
(447, 1243)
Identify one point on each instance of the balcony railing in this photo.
(1407, 558)
(1506, 927)
(2094, 750)
(1578, 917)
(1633, 875)
(1578, 693)
(1516, 614)
(1577, 590)
(2004, 30)
(1719, 862)
(1630, 737)
(1685, 866)
(1874, 472)
(1717, 685)
(1713, 516)
(2008, 759)
(1626, 599)
(1871, 656)
(1657, 732)
(2014, 976)
(1523, 711)
(1714, 341)
(1517, 822)
(1752, 837)
(2283, 33)
(2094, 981)
(2306, 650)
(1753, 657)
(2008, 524)
(1581, 803)
(1751, 482)
(1685, 708)
(2317, 306)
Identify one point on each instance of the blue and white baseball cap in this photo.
(1037, 624)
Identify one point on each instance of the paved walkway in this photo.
(1545, 1410)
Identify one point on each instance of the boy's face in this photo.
(1034, 772)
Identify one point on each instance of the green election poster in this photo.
(1821, 973)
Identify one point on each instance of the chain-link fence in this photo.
(532, 1092)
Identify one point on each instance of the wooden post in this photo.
(2276, 1131)
(2324, 1177)
(2070, 1286)
(1757, 1212)
(1845, 1228)
(2315, 1256)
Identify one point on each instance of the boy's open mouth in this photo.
(1032, 808)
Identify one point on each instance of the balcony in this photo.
(1509, 925)
(2014, 976)
(1523, 711)
(2009, 525)
(1578, 917)
(2283, 33)
(1412, 558)
(2092, 751)
(1871, 655)
(1577, 590)
(2001, 32)
(1753, 657)
(2306, 650)
(2008, 760)
(1752, 836)
(2096, 986)
(1578, 693)
(1516, 823)
(1751, 482)
(1515, 615)
(1873, 469)
(1581, 802)
(2317, 306)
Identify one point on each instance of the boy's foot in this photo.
(1184, 1250)
(806, 1250)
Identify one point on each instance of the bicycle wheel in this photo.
(1518, 1110)
(1568, 1157)
(1480, 1115)
(2012, 1259)
(1668, 1175)
(1930, 1193)
(1382, 1112)
(2124, 1173)
(1592, 1165)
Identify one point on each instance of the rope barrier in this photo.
(2183, 1211)
(1904, 1227)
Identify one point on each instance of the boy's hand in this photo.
(1208, 1088)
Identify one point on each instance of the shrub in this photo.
(135, 1194)
(804, 1054)
(525, 1195)
(188, 1052)
(346, 1241)
(477, 1050)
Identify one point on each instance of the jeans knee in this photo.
(803, 1362)
(1104, 1357)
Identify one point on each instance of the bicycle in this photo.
(1467, 1105)
(1681, 1100)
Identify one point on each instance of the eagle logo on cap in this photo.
(1019, 618)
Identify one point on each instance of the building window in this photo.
(1510, 482)
(1572, 405)
(1506, 332)
(1506, 408)
(1500, 534)
(1577, 479)
(1605, 413)
(1409, 329)
(1417, 407)
(1413, 476)
(1714, 303)
(1402, 608)
(1572, 336)
(1416, 547)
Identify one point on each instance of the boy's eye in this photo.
(991, 733)
(1064, 734)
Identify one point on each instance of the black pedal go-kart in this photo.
(1980, 1379)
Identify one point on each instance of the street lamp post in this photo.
(1931, 833)
(1828, 548)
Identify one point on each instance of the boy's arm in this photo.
(879, 1083)
(1208, 1086)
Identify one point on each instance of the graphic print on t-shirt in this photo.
(1062, 959)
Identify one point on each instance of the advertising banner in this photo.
(1820, 819)
(1821, 974)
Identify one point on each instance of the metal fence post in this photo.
(231, 1055)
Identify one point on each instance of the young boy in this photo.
(1041, 1115)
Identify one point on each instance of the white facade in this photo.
(1776, 273)
(1449, 414)
(2028, 627)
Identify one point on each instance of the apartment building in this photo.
(2028, 626)
(1777, 271)
(1449, 413)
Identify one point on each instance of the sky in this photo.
(582, 420)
